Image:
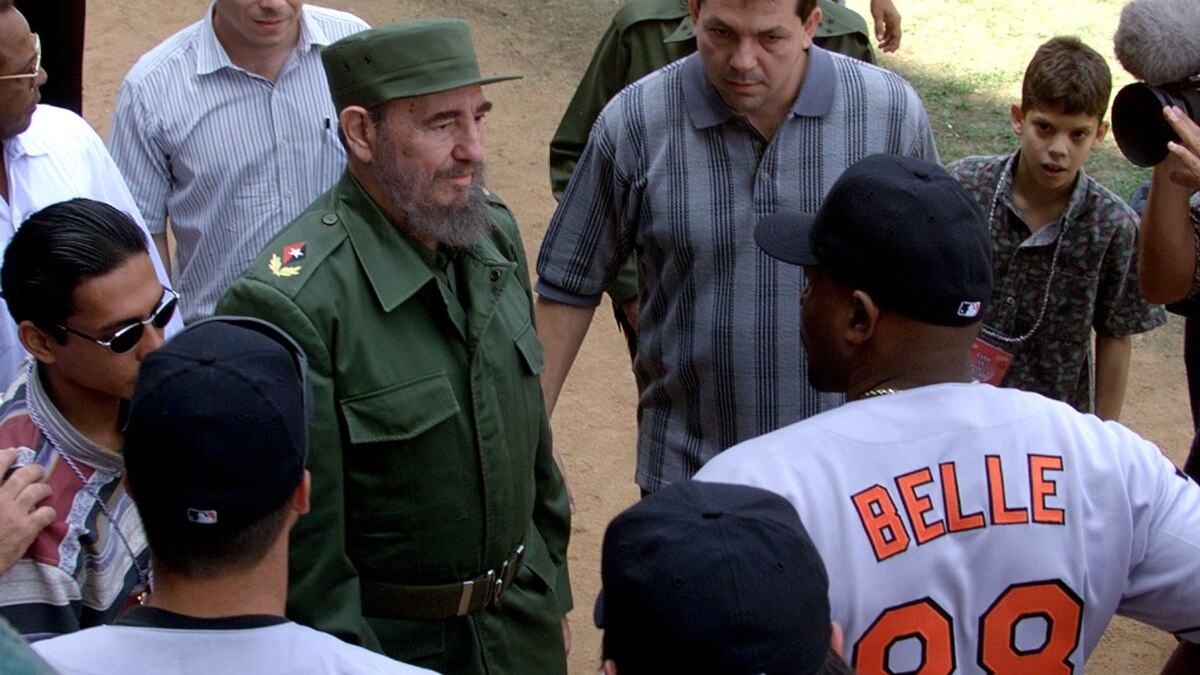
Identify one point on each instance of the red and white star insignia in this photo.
(294, 252)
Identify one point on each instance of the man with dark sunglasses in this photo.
(88, 306)
(49, 155)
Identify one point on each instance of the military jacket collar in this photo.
(395, 268)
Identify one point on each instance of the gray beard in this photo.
(455, 226)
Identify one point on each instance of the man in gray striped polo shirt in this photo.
(679, 167)
(226, 129)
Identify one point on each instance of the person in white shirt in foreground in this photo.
(214, 454)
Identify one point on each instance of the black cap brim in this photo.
(787, 237)
(598, 612)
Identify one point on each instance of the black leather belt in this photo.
(441, 601)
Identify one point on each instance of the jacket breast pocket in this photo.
(404, 469)
(530, 347)
(400, 412)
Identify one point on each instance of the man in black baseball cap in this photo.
(215, 448)
(965, 527)
(711, 578)
(899, 268)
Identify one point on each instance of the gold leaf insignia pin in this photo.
(275, 264)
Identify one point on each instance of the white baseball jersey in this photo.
(149, 640)
(972, 529)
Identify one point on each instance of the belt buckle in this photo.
(513, 564)
(469, 589)
(492, 584)
(507, 572)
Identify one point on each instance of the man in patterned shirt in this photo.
(678, 168)
(88, 307)
(1064, 256)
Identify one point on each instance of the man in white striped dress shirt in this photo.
(226, 129)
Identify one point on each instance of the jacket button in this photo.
(495, 275)
(329, 219)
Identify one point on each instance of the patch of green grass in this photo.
(966, 59)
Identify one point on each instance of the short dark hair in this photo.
(196, 554)
(1067, 76)
(804, 8)
(57, 249)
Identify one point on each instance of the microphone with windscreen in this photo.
(1158, 42)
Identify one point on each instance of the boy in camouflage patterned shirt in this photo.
(1064, 246)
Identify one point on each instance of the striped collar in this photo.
(706, 108)
(211, 55)
(65, 438)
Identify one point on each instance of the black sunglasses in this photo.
(127, 337)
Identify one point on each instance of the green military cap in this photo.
(413, 58)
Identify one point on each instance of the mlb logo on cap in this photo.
(202, 517)
(969, 309)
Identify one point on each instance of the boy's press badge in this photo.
(989, 363)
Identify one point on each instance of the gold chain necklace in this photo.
(143, 574)
(880, 391)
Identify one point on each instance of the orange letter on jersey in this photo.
(1041, 487)
(954, 515)
(885, 529)
(918, 506)
(1001, 514)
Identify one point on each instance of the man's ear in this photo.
(837, 639)
(810, 26)
(864, 320)
(358, 131)
(1101, 132)
(608, 667)
(1018, 119)
(694, 10)
(38, 342)
(300, 496)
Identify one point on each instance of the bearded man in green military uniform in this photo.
(439, 523)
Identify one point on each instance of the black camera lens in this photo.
(1138, 125)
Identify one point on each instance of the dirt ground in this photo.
(549, 42)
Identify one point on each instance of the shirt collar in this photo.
(707, 109)
(64, 437)
(392, 261)
(28, 142)
(684, 32)
(140, 616)
(211, 55)
(1075, 204)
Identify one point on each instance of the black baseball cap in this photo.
(900, 229)
(217, 432)
(713, 578)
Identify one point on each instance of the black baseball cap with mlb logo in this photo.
(901, 229)
(217, 432)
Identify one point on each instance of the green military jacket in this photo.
(646, 35)
(429, 449)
